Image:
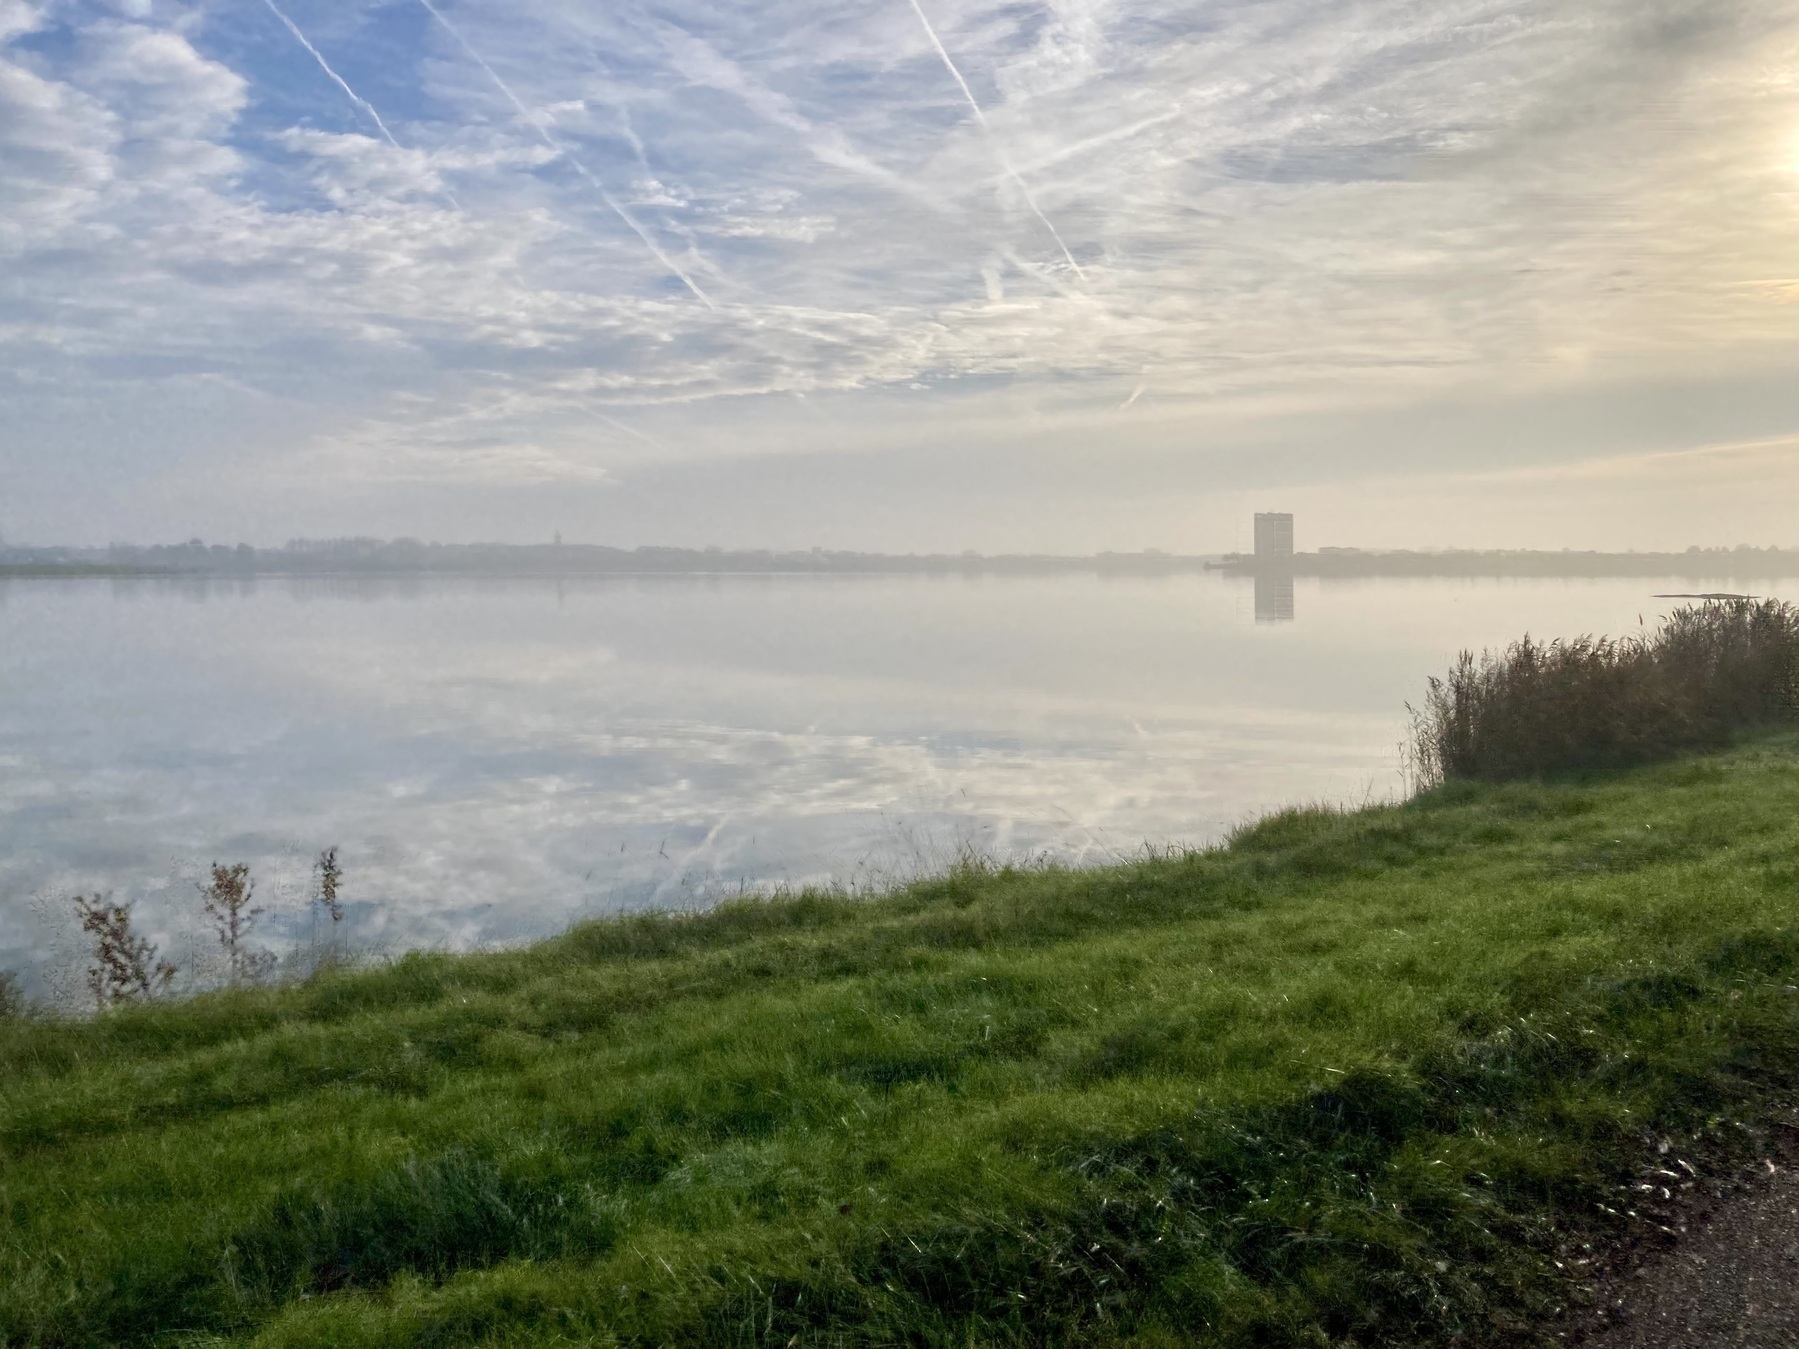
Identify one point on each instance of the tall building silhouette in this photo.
(1274, 536)
(1274, 567)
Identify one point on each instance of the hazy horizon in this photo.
(146, 545)
(1065, 277)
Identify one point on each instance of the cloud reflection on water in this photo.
(497, 759)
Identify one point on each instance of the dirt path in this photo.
(1731, 1280)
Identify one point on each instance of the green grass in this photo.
(1357, 1078)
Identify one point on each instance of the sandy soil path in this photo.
(1731, 1281)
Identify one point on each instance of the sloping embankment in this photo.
(1357, 1078)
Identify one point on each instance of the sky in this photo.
(1059, 275)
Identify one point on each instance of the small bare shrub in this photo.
(226, 899)
(125, 968)
(331, 877)
(13, 1003)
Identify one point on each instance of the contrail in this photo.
(1063, 152)
(700, 62)
(563, 152)
(992, 141)
(1045, 274)
(699, 850)
(647, 439)
(339, 80)
(343, 84)
(643, 159)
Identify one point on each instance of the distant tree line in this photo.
(415, 557)
(402, 557)
(1739, 563)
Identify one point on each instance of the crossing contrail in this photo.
(992, 140)
(337, 79)
(562, 152)
(344, 84)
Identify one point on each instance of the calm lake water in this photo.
(496, 759)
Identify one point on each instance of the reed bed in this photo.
(1707, 673)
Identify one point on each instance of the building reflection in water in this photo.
(1274, 596)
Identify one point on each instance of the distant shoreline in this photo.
(360, 558)
(1734, 564)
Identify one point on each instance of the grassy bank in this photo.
(1356, 1078)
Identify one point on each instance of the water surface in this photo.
(495, 759)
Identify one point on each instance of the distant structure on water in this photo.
(1274, 536)
(1274, 567)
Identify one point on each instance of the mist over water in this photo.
(497, 759)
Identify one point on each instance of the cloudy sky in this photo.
(1057, 274)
